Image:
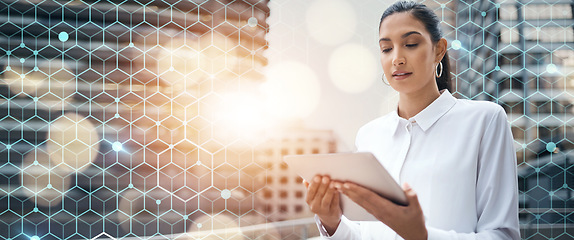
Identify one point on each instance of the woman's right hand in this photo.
(323, 200)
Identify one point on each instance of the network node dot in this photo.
(117, 146)
(551, 147)
(225, 194)
(252, 22)
(63, 36)
(551, 68)
(456, 45)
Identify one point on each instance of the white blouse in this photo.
(458, 156)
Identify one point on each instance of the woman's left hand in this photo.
(407, 221)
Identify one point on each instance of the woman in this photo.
(457, 154)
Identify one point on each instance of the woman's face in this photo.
(408, 55)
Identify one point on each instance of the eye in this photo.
(385, 50)
(412, 45)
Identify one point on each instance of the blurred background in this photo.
(169, 119)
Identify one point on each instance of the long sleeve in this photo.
(347, 230)
(496, 187)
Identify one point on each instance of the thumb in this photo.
(410, 193)
(406, 186)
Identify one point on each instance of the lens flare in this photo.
(292, 90)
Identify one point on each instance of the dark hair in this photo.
(432, 24)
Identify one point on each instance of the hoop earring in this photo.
(383, 78)
(436, 73)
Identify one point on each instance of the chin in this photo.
(403, 87)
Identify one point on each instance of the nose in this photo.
(398, 59)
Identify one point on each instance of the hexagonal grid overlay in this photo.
(111, 123)
(520, 54)
(110, 127)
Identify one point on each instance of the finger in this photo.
(306, 183)
(355, 193)
(336, 203)
(313, 187)
(328, 198)
(317, 205)
(338, 185)
(366, 198)
(411, 195)
(323, 187)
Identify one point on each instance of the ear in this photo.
(440, 49)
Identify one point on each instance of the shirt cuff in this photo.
(437, 234)
(322, 231)
(344, 230)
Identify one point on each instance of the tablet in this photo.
(361, 168)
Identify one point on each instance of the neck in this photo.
(410, 104)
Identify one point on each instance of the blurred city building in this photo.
(519, 54)
(113, 116)
(548, 201)
(283, 197)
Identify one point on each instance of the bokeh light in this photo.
(73, 142)
(353, 68)
(292, 90)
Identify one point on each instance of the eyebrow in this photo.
(403, 36)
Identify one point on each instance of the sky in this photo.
(324, 66)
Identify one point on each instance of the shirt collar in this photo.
(428, 116)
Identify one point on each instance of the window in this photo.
(267, 194)
(299, 208)
(268, 208)
(299, 194)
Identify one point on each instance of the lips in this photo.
(398, 75)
